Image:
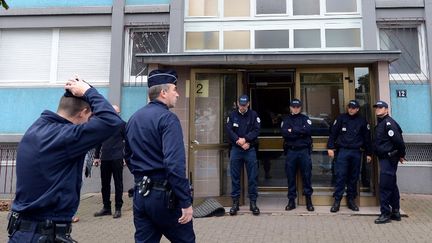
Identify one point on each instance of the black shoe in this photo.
(382, 219)
(309, 205)
(395, 215)
(253, 207)
(335, 207)
(117, 214)
(103, 212)
(291, 205)
(235, 208)
(352, 205)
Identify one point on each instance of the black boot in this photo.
(395, 215)
(309, 205)
(103, 212)
(291, 205)
(253, 207)
(352, 205)
(383, 218)
(336, 206)
(235, 207)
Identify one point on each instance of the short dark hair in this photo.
(72, 105)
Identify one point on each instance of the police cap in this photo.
(157, 77)
(296, 103)
(353, 104)
(380, 104)
(243, 100)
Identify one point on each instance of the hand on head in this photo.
(77, 86)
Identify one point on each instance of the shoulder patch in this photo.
(335, 121)
(390, 133)
(388, 124)
(309, 121)
(258, 120)
(368, 126)
(227, 119)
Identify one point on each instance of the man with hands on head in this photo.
(52, 153)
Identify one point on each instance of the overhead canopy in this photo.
(264, 58)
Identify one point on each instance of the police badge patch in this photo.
(309, 122)
(390, 133)
(258, 120)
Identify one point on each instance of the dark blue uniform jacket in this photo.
(388, 138)
(50, 160)
(245, 126)
(300, 135)
(113, 147)
(154, 146)
(351, 132)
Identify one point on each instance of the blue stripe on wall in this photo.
(22, 106)
(56, 3)
(413, 113)
(133, 98)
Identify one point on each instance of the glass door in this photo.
(212, 98)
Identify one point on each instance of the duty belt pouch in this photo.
(144, 186)
(171, 199)
(13, 223)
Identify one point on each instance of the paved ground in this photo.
(274, 226)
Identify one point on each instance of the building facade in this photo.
(324, 52)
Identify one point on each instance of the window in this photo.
(237, 8)
(270, 6)
(306, 7)
(409, 40)
(334, 6)
(85, 51)
(272, 39)
(25, 54)
(237, 39)
(149, 40)
(203, 8)
(307, 38)
(343, 37)
(206, 40)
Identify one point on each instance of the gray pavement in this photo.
(271, 226)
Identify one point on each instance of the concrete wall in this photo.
(415, 179)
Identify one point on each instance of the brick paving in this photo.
(268, 227)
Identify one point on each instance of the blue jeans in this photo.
(240, 157)
(389, 191)
(347, 170)
(294, 159)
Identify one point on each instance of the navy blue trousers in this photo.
(347, 170)
(25, 236)
(153, 219)
(389, 191)
(240, 157)
(294, 160)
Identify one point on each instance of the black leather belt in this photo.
(160, 186)
(42, 227)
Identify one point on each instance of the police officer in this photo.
(349, 134)
(389, 147)
(49, 163)
(155, 155)
(296, 131)
(243, 127)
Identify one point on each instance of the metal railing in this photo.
(7, 170)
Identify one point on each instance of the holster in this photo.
(144, 186)
(172, 199)
(13, 223)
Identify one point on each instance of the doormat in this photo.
(209, 208)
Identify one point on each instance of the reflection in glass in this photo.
(270, 6)
(307, 38)
(334, 6)
(322, 169)
(203, 8)
(322, 95)
(237, 8)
